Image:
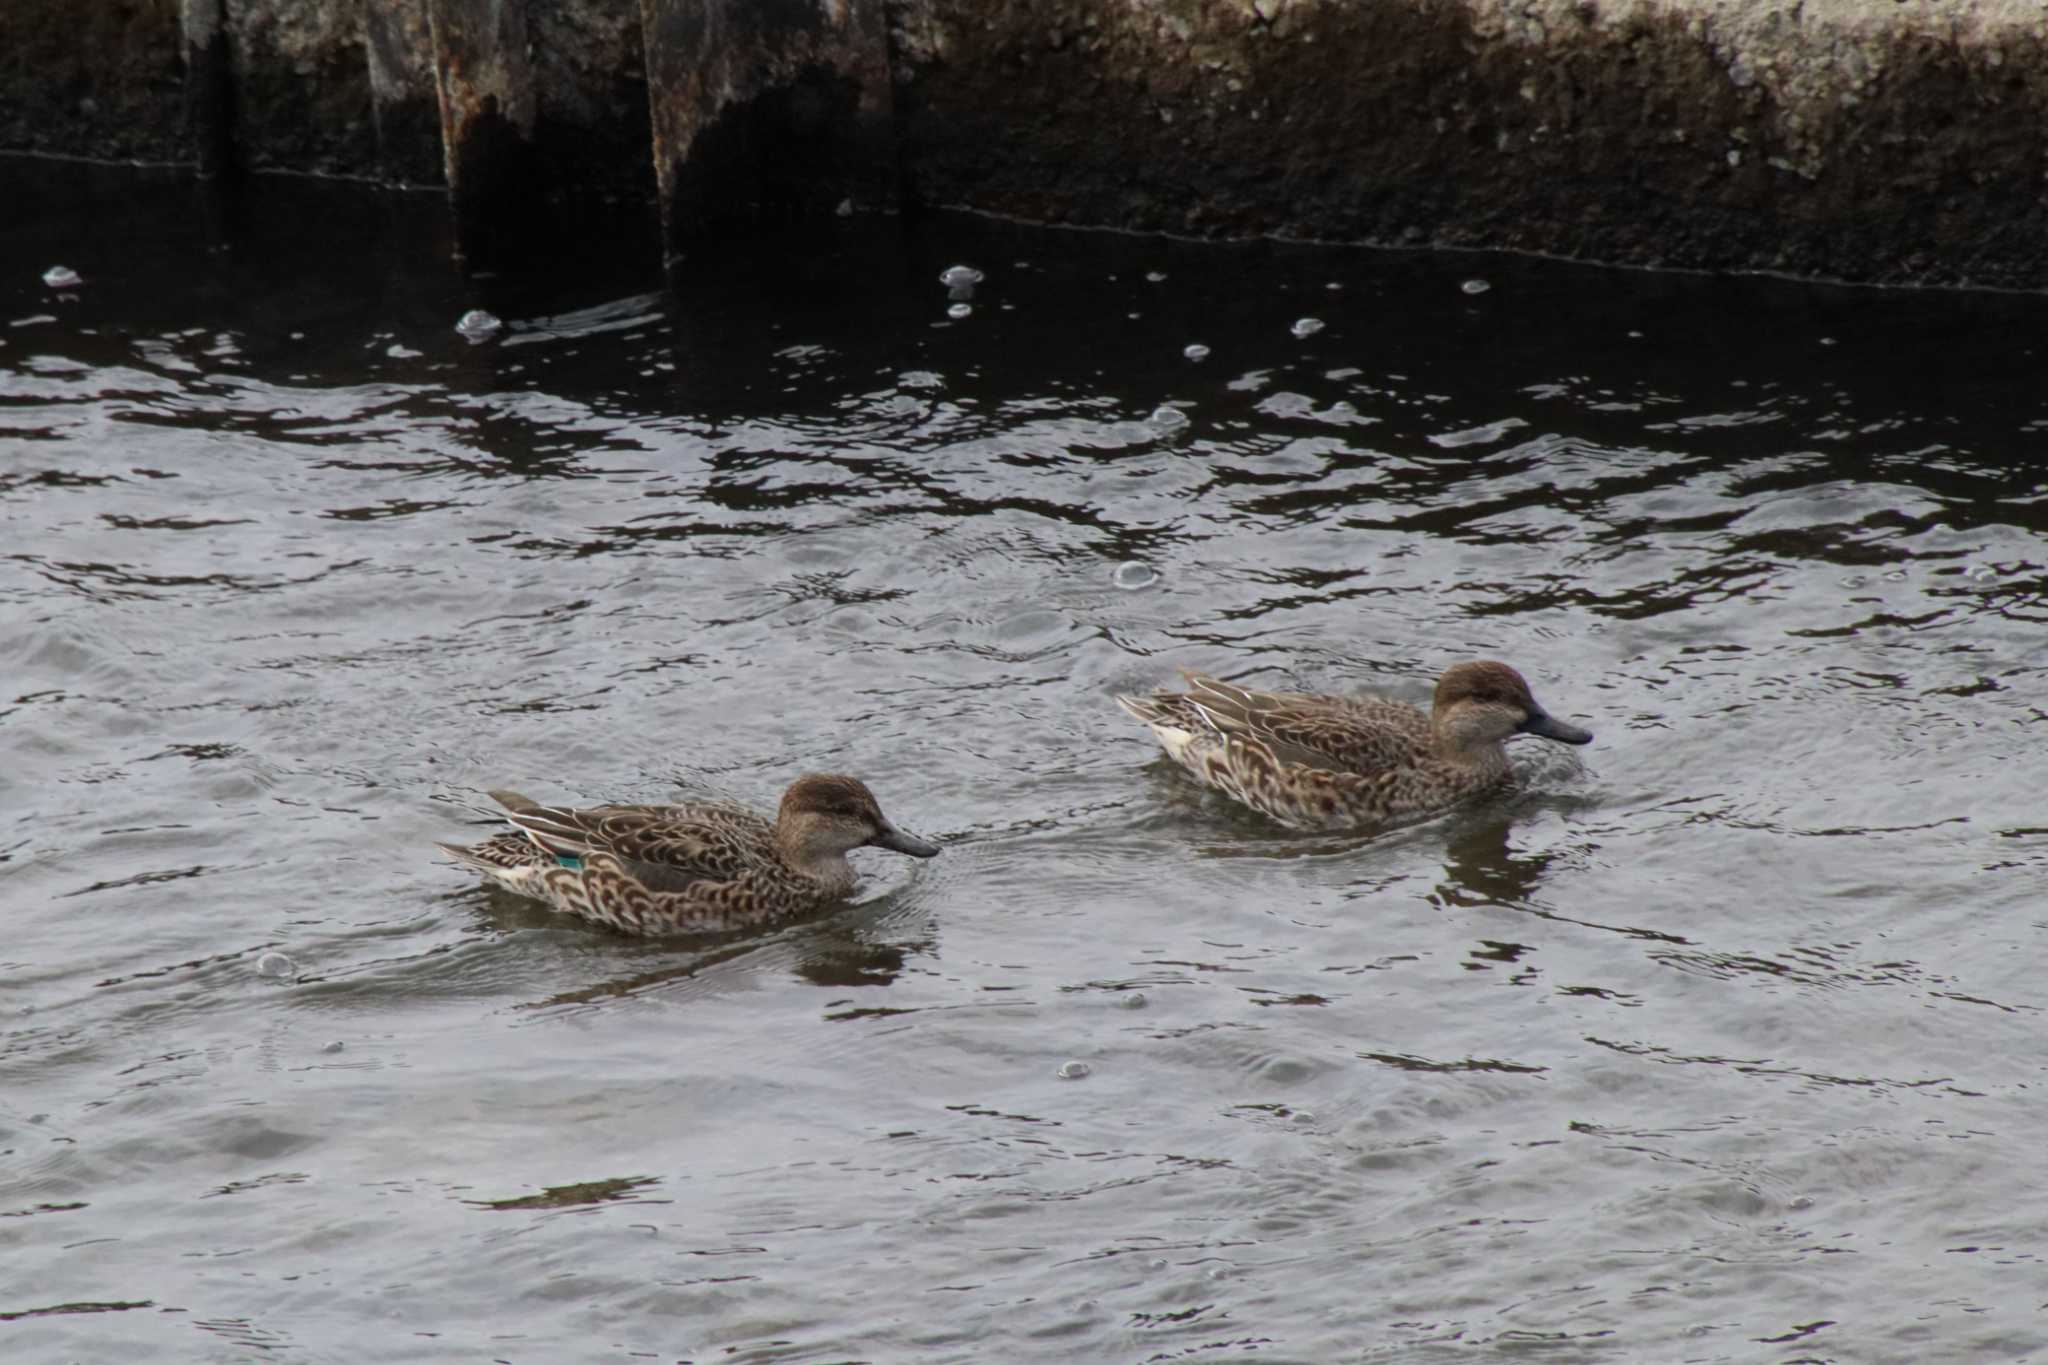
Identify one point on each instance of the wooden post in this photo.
(484, 81)
(399, 47)
(766, 111)
(209, 86)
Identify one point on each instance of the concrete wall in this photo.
(1870, 139)
(1886, 140)
(95, 79)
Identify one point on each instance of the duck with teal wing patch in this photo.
(1317, 762)
(692, 868)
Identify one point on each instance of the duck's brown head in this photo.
(1486, 701)
(830, 813)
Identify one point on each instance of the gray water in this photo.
(1721, 1040)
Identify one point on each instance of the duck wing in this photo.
(1266, 775)
(1329, 734)
(664, 848)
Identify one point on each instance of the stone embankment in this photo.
(1898, 141)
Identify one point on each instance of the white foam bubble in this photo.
(1132, 576)
(478, 325)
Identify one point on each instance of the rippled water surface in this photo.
(1725, 1043)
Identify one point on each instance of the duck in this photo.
(699, 867)
(1323, 762)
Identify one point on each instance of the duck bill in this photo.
(896, 841)
(1547, 726)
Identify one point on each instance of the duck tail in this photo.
(1220, 697)
(555, 831)
(1151, 710)
(469, 857)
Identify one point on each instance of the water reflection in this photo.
(848, 961)
(1481, 866)
(582, 1194)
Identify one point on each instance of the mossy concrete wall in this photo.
(97, 78)
(1882, 140)
(1891, 140)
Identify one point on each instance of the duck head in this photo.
(1485, 702)
(823, 815)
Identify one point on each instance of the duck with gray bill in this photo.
(697, 867)
(1324, 762)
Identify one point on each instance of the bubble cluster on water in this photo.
(62, 277)
(1133, 575)
(1306, 327)
(1073, 1071)
(276, 966)
(478, 325)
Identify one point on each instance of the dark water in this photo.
(1727, 1045)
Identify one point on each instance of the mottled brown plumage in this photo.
(694, 868)
(1317, 762)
